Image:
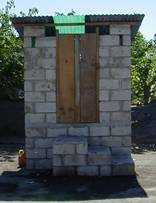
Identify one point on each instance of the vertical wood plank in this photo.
(65, 77)
(88, 78)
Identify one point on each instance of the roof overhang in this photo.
(134, 20)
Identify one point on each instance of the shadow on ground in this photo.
(44, 187)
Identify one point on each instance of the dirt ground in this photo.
(16, 184)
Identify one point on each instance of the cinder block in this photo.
(51, 96)
(51, 117)
(35, 132)
(99, 131)
(121, 130)
(30, 164)
(49, 153)
(126, 106)
(121, 95)
(34, 74)
(36, 153)
(95, 141)
(82, 148)
(126, 83)
(126, 141)
(44, 143)
(111, 141)
(109, 106)
(104, 72)
(99, 156)
(27, 42)
(123, 165)
(83, 131)
(105, 170)
(120, 117)
(46, 42)
(104, 52)
(104, 95)
(64, 148)
(29, 107)
(120, 29)
(28, 86)
(63, 171)
(50, 74)
(127, 40)
(105, 118)
(45, 107)
(109, 84)
(34, 118)
(29, 142)
(120, 51)
(55, 132)
(121, 151)
(35, 31)
(57, 160)
(74, 160)
(109, 40)
(45, 86)
(47, 63)
(119, 73)
(43, 164)
(87, 171)
(34, 97)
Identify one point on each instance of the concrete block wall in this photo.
(106, 141)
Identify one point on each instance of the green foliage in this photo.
(143, 70)
(11, 54)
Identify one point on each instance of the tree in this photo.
(11, 54)
(143, 70)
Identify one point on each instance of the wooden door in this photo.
(77, 78)
(65, 79)
(88, 78)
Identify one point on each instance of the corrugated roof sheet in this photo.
(88, 18)
(136, 19)
(70, 29)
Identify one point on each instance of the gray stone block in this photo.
(55, 132)
(36, 153)
(74, 160)
(44, 143)
(50, 118)
(64, 148)
(34, 97)
(119, 73)
(104, 95)
(121, 130)
(46, 42)
(30, 164)
(87, 171)
(35, 132)
(63, 171)
(99, 131)
(105, 170)
(34, 74)
(83, 131)
(43, 164)
(109, 84)
(82, 148)
(109, 40)
(34, 118)
(36, 31)
(120, 29)
(29, 142)
(123, 165)
(57, 160)
(45, 107)
(99, 156)
(109, 106)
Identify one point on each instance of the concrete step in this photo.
(99, 155)
(64, 145)
(123, 165)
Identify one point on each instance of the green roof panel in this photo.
(70, 24)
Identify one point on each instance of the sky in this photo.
(49, 7)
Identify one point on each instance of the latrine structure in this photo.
(78, 93)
